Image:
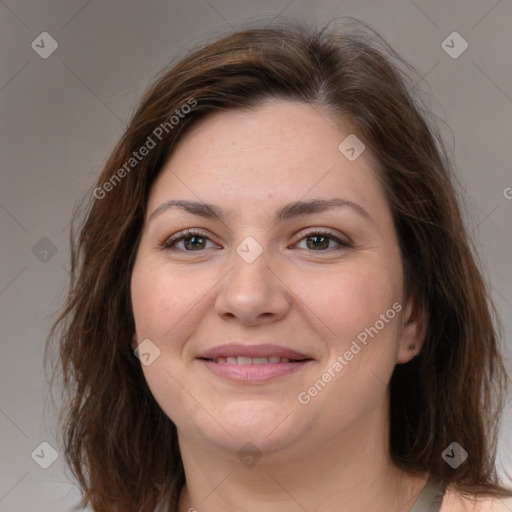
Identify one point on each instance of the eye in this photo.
(320, 241)
(193, 240)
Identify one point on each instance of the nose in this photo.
(252, 292)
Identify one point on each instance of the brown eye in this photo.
(318, 242)
(194, 242)
(191, 241)
(321, 241)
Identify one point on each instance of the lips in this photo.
(253, 363)
(250, 360)
(255, 352)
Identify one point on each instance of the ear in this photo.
(134, 341)
(413, 330)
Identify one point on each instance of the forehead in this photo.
(278, 152)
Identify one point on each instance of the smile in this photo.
(253, 370)
(250, 364)
(244, 360)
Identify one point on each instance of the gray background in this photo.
(62, 115)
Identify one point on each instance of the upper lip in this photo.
(263, 350)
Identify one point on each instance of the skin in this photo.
(332, 453)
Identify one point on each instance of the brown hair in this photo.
(120, 445)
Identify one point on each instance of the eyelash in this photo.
(171, 242)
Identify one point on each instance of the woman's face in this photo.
(259, 330)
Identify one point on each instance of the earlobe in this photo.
(134, 341)
(412, 332)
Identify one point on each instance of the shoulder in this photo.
(455, 502)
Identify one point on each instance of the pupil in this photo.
(321, 243)
(193, 241)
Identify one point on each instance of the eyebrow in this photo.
(288, 211)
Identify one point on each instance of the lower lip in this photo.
(253, 372)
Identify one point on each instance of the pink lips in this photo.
(266, 350)
(233, 361)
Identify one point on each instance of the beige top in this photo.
(454, 502)
(434, 498)
(430, 498)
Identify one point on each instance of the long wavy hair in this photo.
(119, 444)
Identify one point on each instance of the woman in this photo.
(274, 302)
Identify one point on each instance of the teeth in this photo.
(242, 360)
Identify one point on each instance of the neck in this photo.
(352, 472)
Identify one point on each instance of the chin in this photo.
(268, 426)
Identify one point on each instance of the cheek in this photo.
(362, 309)
(162, 301)
(164, 306)
(348, 300)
